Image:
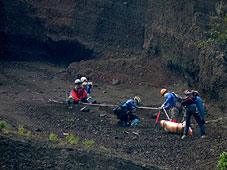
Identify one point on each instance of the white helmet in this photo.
(139, 102)
(83, 79)
(77, 81)
(84, 83)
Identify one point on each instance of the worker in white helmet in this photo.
(78, 93)
(124, 112)
(88, 87)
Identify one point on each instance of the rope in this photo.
(110, 105)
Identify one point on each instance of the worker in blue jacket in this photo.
(171, 103)
(124, 112)
(199, 104)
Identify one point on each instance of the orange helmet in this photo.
(163, 91)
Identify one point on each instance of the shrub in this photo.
(89, 142)
(72, 139)
(53, 137)
(222, 163)
(21, 130)
(3, 124)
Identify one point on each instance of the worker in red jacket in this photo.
(78, 93)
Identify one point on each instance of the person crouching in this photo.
(125, 114)
(78, 93)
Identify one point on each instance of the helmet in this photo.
(187, 92)
(195, 93)
(84, 83)
(77, 81)
(139, 102)
(163, 91)
(83, 79)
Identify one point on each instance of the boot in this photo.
(183, 137)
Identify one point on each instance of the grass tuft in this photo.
(53, 137)
(3, 124)
(89, 142)
(72, 139)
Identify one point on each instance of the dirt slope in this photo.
(33, 96)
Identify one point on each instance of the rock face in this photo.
(168, 31)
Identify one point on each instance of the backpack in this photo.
(178, 98)
(188, 101)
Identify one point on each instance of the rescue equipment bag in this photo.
(188, 101)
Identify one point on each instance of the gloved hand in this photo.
(70, 100)
(162, 105)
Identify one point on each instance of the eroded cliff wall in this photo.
(169, 30)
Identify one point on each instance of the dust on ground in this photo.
(33, 96)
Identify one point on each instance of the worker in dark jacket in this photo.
(191, 103)
(124, 112)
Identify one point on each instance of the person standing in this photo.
(172, 104)
(199, 104)
(191, 104)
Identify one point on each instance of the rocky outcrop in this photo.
(167, 32)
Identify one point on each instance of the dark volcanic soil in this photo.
(33, 96)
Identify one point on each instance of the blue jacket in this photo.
(199, 105)
(88, 90)
(129, 104)
(170, 101)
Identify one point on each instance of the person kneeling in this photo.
(78, 94)
(124, 112)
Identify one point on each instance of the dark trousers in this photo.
(191, 110)
(124, 115)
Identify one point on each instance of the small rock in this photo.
(115, 82)
(118, 137)
(103, 115)
(134, 138)
(135, 133)
(65, 134)
(38, 130)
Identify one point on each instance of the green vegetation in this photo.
(72, 139)
(3, 125)
(70, 120)
(104, 148)
(89, 142)
(53, 137)
(21, 130)
(218, 32)
(222, 163)
(28, 134)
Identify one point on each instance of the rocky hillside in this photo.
(154, 38)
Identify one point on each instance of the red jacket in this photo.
(78, 94)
